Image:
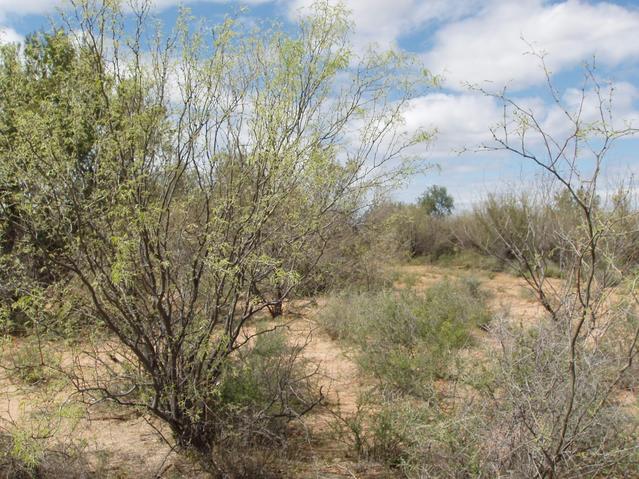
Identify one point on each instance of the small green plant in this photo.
(470, 259)
(19, 455)
(405, 339)
(269, 374)
(42, 442)
(405, 279)
(33, 361)
(411, 437)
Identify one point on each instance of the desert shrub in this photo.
(239, 459)
(404, 279)
(430, 236)
(428, 225)
(20, 457)
(22, 309)
(505, 418)
(549, 400)
(33, 361)
(471, 259)
(407, 339)
(383, 429)
(414, 231)
(23, 456)
(414, 438)
(55, 310)
(503, 228)
(269, 377)
(45, 67)
(507, 225)
(23, 276)
(261, 392)
(552, 407)
(264, 389)
(359, 257)
(522, 413)
(616, 335)
(41, 440)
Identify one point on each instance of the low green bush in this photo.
(413, 438)
(262, 389)
(405, 339)
(270, 373)
(31, 360)
(471, 260)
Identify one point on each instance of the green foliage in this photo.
(49, 109)
(413, 233)
(436, 201)
(384, 430)
(190, 182)
(28, 451)
(41, 440)
(470, 259)
(20, 456)
(407, 340)
(267, 373)
(414, 438)
(33, 361)
(357, 258)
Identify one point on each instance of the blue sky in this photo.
(464, 41)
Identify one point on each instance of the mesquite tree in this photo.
(216, 158)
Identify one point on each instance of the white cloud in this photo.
(622, 108)
(489, 46)
(9, 35)
(25, 7)
(161, 4)
(382, 22)
(461, 120)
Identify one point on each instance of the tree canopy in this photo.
(436, 201)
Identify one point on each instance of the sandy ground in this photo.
(124, 446)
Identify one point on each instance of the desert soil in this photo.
(124, 446)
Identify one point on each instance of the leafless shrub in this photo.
(557, 414)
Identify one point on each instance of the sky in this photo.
(467, 43)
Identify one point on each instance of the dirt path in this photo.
(325, 457)
(338, 373)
